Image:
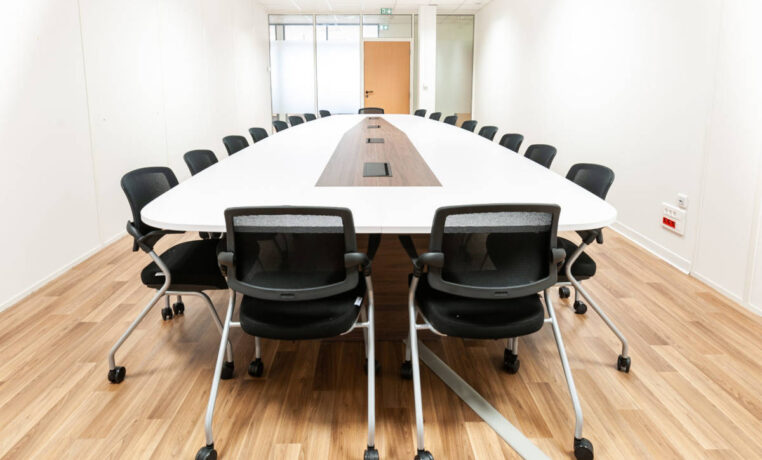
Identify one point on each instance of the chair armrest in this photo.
(431, 259)
(358, 259)
(148, 241)
(226, 260)
(559, 255)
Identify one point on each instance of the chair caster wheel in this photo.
(583, 449)
(511, 362)
(370, 454)
(166, 313)
(564, 292)
(227, 372)
(207, 453)
(116, 375)
(406, 370)
(623, 364)
(579, 307)
(424, 455)
(178, 308)
(256, 368)
(378, 367)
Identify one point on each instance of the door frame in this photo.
(362, 66)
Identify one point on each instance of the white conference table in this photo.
(284, 168)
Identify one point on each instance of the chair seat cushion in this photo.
(479, 318)
(582, 269)
(192, 266)
(302, 320)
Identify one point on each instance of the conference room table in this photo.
(432, 164)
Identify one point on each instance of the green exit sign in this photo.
(386, 11)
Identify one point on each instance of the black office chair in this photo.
(199, 160)
(257, 134)
(295, 120)
(435, 116)
(279, 125)
(512, 141)
(188, 268)
(371, 110)
(311, 286)
(309, 117)
(579, 266)
(451, 119)
(325, 113)
(234, 144)
(488, 132)
(486, 266)
(420, 113)
(469, 125)
(542, 154)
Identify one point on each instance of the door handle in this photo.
(367, 93)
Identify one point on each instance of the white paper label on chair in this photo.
(358, 301)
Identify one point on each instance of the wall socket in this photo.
(682, 200)
(673, 218)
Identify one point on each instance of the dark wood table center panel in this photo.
(345, 168)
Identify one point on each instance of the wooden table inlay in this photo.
(345, 168)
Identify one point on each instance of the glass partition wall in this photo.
(316, 61)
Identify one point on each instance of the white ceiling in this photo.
(370, 6)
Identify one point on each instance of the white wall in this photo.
(455, 63)
(427, 58)
(662, 92)
(158, 78)
(47, 194)
(729, 209)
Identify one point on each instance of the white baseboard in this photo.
(680, 263)
(56, 273)
(677, 261)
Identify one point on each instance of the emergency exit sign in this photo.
(386, 11)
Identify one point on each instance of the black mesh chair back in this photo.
(325, 113)
(512, 141)
(257, 134)
(469, 125)
(291, 253)
(295, 120)
(234, 144)
(451, 119)
(279, 125)
(435, 116)
(420, 113)
(309, 117)
(488, 132)
(199, 160)
(142, 186)
(371, 110)
(494, 251)
(596, 179)
(542, 154)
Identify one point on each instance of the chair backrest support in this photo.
(290, 253)
(234, 143)
(142, 186)
(199, 160)
(494, 251)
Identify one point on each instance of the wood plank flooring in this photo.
(694, 391)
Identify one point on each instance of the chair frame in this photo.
(433, 259)
(624, 360)
(365, 321)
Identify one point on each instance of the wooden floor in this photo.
(694, 391)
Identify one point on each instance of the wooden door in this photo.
(387, 76)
